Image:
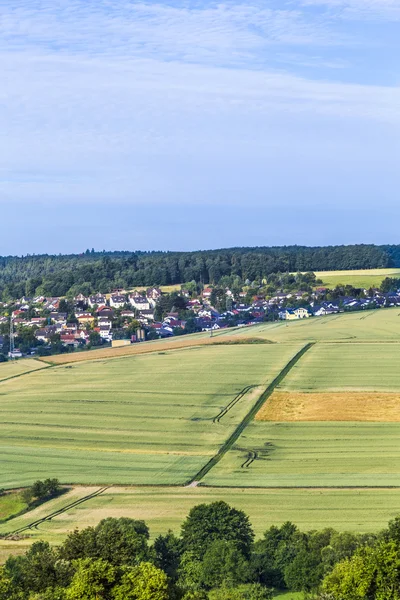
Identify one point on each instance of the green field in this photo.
(15, 368)
(136, 420)
(11, 504)
(363, 366)
(311, 454)
(148, 419)
(364, 278)
(369, 325)
(165, 508)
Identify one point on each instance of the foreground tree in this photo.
(144, 582)
(207, 523)
(373, 573)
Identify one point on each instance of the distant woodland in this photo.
(103, 271)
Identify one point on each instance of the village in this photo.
(52, 325)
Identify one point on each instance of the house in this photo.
(129, 314)
(58, 317)
(44, 334)
(105, 311)
(104, 322)
(290, 314)
(139, 302)
(325, 309)
(80, 299)
(85, 319)
(37, 321)
(68, 339)
(147, 315)
(105, 333)
(97, 300)
(154, 293)
(117, 301)
(206, 294)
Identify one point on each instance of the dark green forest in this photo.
(215, 557)
(103, 271)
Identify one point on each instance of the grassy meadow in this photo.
(164, 508)
(146, 419)
(363, 278)
(11, 504)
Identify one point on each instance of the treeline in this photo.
(215, 557)
(102, 271)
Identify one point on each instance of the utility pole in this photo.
(11, 353)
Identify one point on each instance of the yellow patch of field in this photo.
(331, 406)
(174, 343)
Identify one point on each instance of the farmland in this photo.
(324, 450)
(314, 454)
(17, 368)
(146, 419)
(365, 278)
(165, 508)
(289, 445)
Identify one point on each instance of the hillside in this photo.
(258, 424)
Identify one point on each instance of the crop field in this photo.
(313, 454)
(18, 367)
(336, 367)
(370, 325)
(165, 508)
(331, 406)
(146, 419)
(364, 278)
(323, 450)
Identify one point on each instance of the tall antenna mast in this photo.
(11, 337)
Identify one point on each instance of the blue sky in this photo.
(198, 124)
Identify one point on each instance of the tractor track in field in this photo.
(251, 457)
(227, 445)
(56, 513)
(232, 403)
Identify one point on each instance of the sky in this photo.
(181, 125)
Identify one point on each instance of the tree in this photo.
(79, 544)
(95, 338)
(252, 591)
(168, 549)
(143, 582)
(122, 541)
(224, 563)
(207, 523)
(305, 572)
(93, 580)
(35, 571)
(373, 573)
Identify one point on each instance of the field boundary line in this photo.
(60, 511)
(26, 373)
(227, 445)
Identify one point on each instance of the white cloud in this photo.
(223, 33)
(147, 101)
(372, 10)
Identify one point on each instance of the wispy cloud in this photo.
(143, 101)
(386, 10)
(225, 34)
